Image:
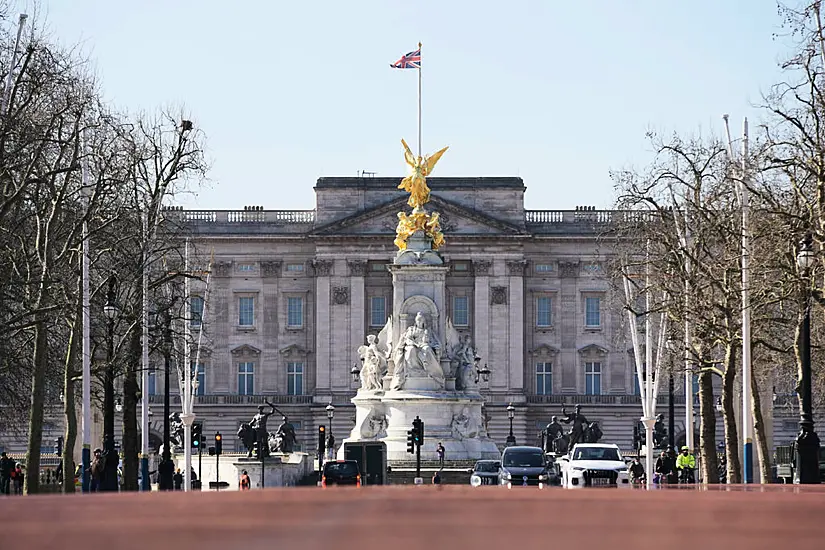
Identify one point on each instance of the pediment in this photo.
(544, 349)
(294, 350)
(455, 219)
(245, 350)
(593, 348)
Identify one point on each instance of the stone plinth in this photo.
(280, 470)
(450, 418)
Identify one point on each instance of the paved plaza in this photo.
(423, 517)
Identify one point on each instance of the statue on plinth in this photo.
(554, 439)
(258, 426)
(283, 440)
(416, 185)
(176, 429)
(374, 358)
(417, 354)
(660, 432)
(463, 358)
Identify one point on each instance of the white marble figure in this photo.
(374, 358)
(416, 354)
(464, 426)
(463, 357)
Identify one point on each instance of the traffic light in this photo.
(218, 443)
(322, 441)
(197, 434)
(58, 446)
(411, 441)
(418, 426)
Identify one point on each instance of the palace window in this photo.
(544, 268)
(592, 378)
(151, 384)
(295, 312)
(294, 378)
(295, 268)
(543, 312)
(592, 312)
(246, 267)
(200, 376)
(246, 311)
(246, 378)
(544, 378)
(461, 312)
(195, 311)
(378, 311)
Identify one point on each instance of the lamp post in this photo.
(166, 468)
(330, 439)
(807, 442)
(511, 413)
(109, 478)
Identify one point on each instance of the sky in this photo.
(558, 93)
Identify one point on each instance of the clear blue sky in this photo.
(557, 92)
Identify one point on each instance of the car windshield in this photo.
(341, 468)
(597, 453)
(487, 467)
(524, 459)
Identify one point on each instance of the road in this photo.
(402, 518)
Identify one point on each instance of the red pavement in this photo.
(401, 518)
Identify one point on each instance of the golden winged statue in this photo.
(416, 183)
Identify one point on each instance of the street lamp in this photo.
(109, 478)
(482, 373)
(807, 442)
(330, 413)
(166, 468)
(511, 413)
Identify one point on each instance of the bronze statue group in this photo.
(555, 440)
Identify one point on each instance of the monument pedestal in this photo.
(450, 418)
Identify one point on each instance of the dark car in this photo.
(341, 472)
(524, 467)
(485, 473)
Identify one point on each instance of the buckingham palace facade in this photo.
(293, 294)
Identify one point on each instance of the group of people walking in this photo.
(11, 476)
(670, 468)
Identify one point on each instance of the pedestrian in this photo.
(685, 464)
(178, 480)
(436, 478)
(18, 478)
(6, 469)
(330, 444)
(637, 472)
(440, 451)
(96, 471)
(665, 467)
(244, 483)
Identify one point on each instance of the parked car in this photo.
(341, 472)
(524, 467)
(485, 472)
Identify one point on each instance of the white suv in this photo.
(594, 465)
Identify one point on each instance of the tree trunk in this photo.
(710, 469)
(41, 357)
(130, 447)
(729, 417)
(69, 401)
(759, 434)
(69, 413)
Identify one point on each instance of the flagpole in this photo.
(420, 62)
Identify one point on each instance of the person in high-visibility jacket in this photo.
(685, 464)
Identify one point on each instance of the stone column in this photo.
(270, 271)
(218, 308)
(323, 334)
(357, 272)
(571, 323)
(481, 309)
(515, 270)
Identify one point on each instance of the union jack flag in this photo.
(410, 60)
